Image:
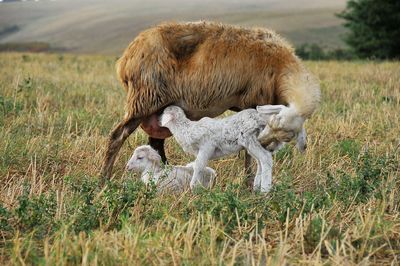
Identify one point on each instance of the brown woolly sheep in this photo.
(207, 68)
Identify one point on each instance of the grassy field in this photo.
(337, 204)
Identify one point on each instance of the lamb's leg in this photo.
(263, 178)
(158, 145)
(253, 181)
(266, 180)
(302, 140)
(199, 166)
(257, 180)
(117, 137)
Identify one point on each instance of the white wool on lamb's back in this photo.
(213, 138)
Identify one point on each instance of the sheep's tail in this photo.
(300, 89)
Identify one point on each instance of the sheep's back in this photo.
(204, 65)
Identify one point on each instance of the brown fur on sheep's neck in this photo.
(207, 68)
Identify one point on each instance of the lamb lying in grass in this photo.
(213, 138)
(146, 161)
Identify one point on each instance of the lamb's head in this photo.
(283, 117)
(144, 157)
(171, 115)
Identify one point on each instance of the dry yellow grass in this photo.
(336, 204)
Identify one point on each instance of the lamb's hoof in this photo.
(262, 190)
(265, 190)
(196, 185)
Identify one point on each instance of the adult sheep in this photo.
(207, 68)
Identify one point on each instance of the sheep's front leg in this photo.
(200, 165)
(158, 145)
(117, 137)
(248, 169)
(263, 178)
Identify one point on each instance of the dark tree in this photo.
(374, 28)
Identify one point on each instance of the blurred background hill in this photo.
(106, 27)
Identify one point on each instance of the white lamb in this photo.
(213, 138)
(146, 161)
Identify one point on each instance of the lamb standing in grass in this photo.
(147, 162)
(213, 138)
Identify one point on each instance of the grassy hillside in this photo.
(336, 204)
(100, 26)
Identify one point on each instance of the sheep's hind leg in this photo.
(199, 166)
(117, 137)
(248, 169)
(158, 145)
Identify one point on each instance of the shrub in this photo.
(373, 25)
(317, 228)
(230, 207)
(313, 51)
(36, 213)
(92, 207)
(348, 147)
(4, 221)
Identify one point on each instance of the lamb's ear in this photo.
(269, 109)
(154, 156)
(165, 119)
